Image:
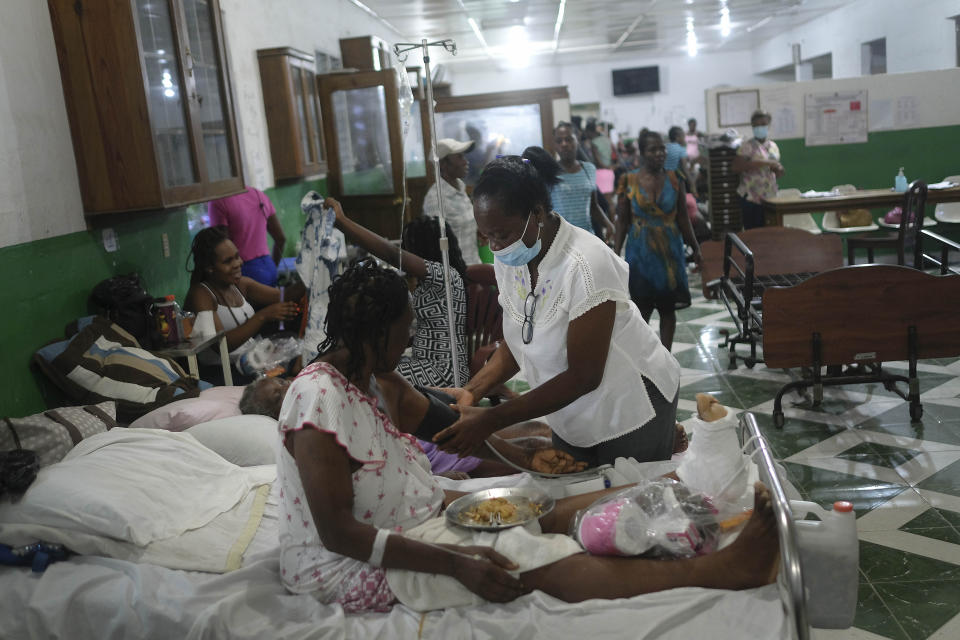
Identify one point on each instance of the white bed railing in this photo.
(790, 581)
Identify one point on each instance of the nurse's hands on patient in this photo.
(461, 396)
(466, 436)
(484, 572)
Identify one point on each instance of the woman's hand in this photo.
(333, 203)
(461, 396)
(485, 574)
(466, 436)
(279, 311)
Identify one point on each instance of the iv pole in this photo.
(451, 46)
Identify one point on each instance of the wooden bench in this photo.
(866, 315)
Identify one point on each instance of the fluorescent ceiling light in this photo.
(724, 22)
(516, 52)
(556, 27)
(759, 24)
(691, 38)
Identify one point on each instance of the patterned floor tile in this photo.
(879, 454)
(946, 481)
(826, 487)
(932, 524)
(715, 385)
(795, 436)
(874, 616)
(883, 564)
(921, 608)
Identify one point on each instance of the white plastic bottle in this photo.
(900, 182)
(829, 558)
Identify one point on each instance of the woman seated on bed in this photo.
(216, 284)
(361, 525)
(265, 397)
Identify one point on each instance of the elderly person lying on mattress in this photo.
(360, 509)
(265, 397)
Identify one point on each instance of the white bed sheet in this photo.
(94, 598)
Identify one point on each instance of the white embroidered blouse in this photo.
(578, 273)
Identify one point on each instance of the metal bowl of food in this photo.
(496, 509)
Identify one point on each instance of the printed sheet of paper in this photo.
(838, 117)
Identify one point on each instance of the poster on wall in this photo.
(839, 117)
(784, 115)
(736, 107)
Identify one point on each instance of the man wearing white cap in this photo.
(457, 207)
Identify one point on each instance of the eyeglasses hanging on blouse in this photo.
(529, 307)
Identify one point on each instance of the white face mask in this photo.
(518, 254)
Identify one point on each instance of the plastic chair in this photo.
(906, 240)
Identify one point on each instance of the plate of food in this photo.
(927, 222)
(496, 509)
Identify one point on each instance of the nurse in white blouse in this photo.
(598, 374)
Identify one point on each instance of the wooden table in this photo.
(861, 199)
(192, 347)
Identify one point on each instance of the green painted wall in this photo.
(47, 282)
(927, 154)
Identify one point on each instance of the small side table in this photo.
(192, 347)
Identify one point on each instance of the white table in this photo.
(195, 345)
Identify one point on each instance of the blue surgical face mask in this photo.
(760, 133)
(518, 254)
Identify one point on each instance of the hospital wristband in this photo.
(379, 546)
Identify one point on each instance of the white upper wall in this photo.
(683, 81)
(308, 25)
(39, 188)
(919, 37)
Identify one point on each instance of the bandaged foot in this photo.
(709, 408)
(714, 464)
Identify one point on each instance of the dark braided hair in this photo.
(364, 301)
(421, 237)
(515, 184)
(204, 251)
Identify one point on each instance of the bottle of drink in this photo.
(900, 182)
(168, 319)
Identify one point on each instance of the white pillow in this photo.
(246, 441)
(136, 485)
(213, 403)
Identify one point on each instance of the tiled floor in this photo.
(859, 445)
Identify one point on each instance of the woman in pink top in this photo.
(249, 217)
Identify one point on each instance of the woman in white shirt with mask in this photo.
(598, 374)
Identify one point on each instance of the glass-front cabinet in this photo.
(293, 112)
(361, 121)
(149, 102)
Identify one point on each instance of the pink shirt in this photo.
(245, 216)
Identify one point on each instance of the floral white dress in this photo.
(393, 489)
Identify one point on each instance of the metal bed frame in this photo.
(790, 580)
(742, 295)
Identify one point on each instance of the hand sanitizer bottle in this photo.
(900, 182)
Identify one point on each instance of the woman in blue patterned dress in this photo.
(654, 227)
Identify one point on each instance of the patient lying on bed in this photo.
(360, 509)
(265, 397)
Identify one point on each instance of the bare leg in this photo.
(646, 312)
(750, 561)
(668, 326)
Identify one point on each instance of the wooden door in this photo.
(364, 149)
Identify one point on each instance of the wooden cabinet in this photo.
(293, 112)
(725, 211)
(361, 119)
(149, 102)
(365, 53)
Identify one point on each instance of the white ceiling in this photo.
(592, 29)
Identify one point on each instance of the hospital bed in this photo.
(761, 258)
(122, 590)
